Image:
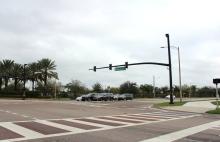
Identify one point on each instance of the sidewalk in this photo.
(198, 107)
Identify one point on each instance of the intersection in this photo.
(132, 121)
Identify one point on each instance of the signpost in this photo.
(120, 68)
(216, 81)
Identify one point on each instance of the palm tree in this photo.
(34, 73)
(1, 74)
(47, 68)
(7, 67)
(16, 72)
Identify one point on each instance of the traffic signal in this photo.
(126, 64)
(110, 66)
(94, 68)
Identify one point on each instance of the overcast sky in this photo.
(79, 34)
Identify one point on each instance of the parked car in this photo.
(79, 98)
(96, 97)
(116, 96)
(168, 97)
(128, 96)
(107, 96)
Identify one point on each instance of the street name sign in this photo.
(120, 68)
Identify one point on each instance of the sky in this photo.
(80, 34)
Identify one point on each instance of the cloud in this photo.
(81, 34)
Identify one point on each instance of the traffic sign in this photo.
(216, 80)
(120, 68)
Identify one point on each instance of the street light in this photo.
(180, 82)
(24, 77)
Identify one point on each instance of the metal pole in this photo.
(55, 90)
(217, 95)
(154, 86)
(181, 96)
(170, 69)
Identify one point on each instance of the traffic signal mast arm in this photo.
(132, 64)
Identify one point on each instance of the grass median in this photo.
(215, 111)
(167, 104)
(215, 102)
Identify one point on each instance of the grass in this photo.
(215, 102)
(165, 104)
(215, 111)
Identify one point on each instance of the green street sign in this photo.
(120, 68)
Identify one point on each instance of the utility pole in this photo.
(217, 95)
(55, 90)
(170, 69)
(154, 87)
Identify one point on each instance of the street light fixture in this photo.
(24, 77)
(180, 82)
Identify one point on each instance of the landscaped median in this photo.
(167, 104)
(215, 111)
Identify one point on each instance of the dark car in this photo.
(107, 97)
(88, 97)
(128, 96)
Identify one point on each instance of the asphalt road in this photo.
(124, 121)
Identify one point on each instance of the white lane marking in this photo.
(183, 133)
(89, 123)
(112, 121)
(149, 116)
(27, 133)
(142, 117)
(169, 115)
(215, 129)
(176, 112)
(57, 125)
(123, 118)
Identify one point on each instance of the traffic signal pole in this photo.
(145, 63)
(170, 69)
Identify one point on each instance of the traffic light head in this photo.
(126, 64)
(94, 68)
(110, 66)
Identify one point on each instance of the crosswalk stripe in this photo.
(72, 129)
(182, 133)
(175, 113)
(166, 115)
(74, 124)
(100, 122)
(148, 116)
(119, 120)
(138, 118)
(88, 123)
(27, 133)
(113, 121)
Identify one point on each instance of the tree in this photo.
(146, 90)
(75, 87)
(115, 90)
(1, 74)
(97, 87)
(16, 72)
(47, 68)
(129, 87)
(206, 92)
(7, 68)
(34, 73)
